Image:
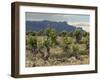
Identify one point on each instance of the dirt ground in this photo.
(55, 59)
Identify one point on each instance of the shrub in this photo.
(78, 35)
(83, 52)
(75, 49)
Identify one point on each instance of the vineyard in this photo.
(51, 48)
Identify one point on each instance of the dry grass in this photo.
(57, 56)
(55, 59)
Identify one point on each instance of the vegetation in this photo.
(56, 48)
(78, 35)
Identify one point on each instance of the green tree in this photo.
(67, 42)
(87, 42)
(51, 35)
(75, 51)
(47, 53)
(70, 33)
(78, 35)
(50, 40)
(32, 42)
(64, 33)
(85, 34)
(33, 33)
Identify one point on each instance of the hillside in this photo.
(39, 25)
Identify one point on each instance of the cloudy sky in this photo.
(30, 16)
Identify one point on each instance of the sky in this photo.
(30, 16)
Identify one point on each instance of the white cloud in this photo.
(85, 25)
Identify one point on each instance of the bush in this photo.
(75, 49)
(83, 52)
(31, 42)
(33, 33)
(78, 35)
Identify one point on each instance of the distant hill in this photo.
(40, 25)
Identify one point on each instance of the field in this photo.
(49, 48)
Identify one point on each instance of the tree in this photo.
(33, 44)
(78, 35)
(75, 51)
(50, 41)
(47, 45)
(33, 33)
(64, 33)
(87, 42)
(85, 34)
(70, 33)
(51, 35)
(67, 42)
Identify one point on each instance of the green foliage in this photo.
(40, 44)
(31, 33)
(50, 32)
(51, 36)
(87, 42)
(83, 52)
(47, 43)
(64, 33)
(67, 41)
(78, 35)
(85, 34)
(70, 34)
(32, 41)
(68, 44)
(75, 49)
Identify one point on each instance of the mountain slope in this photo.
(40, 25)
